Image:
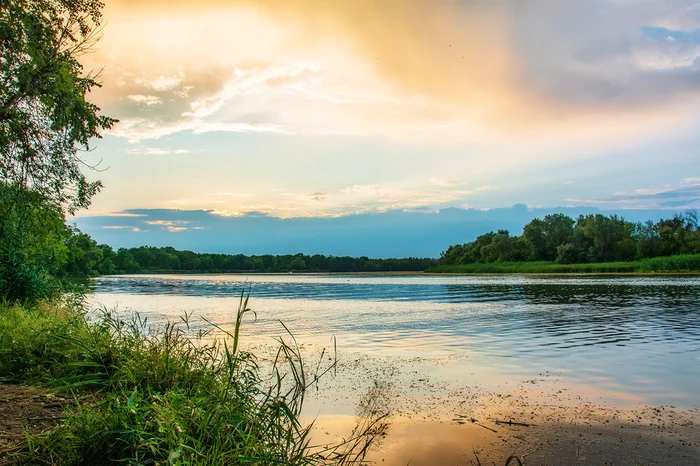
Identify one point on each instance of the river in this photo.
(437, 341)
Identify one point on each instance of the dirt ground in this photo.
(435, 423)
(550, 435)
(26, 409)
(549, 431)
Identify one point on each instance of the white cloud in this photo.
(647, 191)
(120, 214)
(447, 182)
(161, 83)
(147, 100)
(252, 127)
(155, 151)
(174, 226)
(380, 198)
(167, 223)
(233, 194)
(366, 190)
(225, 213)
(685, 194)
(139, 129)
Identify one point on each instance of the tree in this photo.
(559, 230)
(45, 117)
(32, 245)
(534, 234)
(124, 262)
(84, 256)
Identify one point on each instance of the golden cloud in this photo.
(441, 72)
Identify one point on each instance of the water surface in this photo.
(615, 339)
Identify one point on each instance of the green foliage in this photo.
(39, 254)
(45, 118)
(32, 248)
(33, 339)
(84, 257)
(151, 259)
(588, 239)
(154, 396)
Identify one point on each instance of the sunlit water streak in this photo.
(624, 337)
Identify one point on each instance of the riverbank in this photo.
(689, 263)
(540, 434)
(433, 417)
(101, 390)
(681, 264)
(543, 420)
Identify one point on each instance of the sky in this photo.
(240, 109)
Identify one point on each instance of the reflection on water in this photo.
(632, 335)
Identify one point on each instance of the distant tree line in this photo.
(587, 239)
(89, 258)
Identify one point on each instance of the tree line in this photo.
(101, 259)
(587, 239)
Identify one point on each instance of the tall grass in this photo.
(163, 396)
(671, 264)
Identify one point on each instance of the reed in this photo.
(146, 395)
(671, 264)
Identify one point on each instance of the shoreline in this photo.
(556, 427)
(404, 274)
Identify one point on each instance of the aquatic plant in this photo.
(671, 264)
(168, 395)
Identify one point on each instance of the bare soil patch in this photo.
(435, 423)
(26, 409)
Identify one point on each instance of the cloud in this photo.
(251, 127)
(166, 222)
(173, 226)
(155, 151)
(447, 182)
(366, 190)
(147, 100)
(234, 194)
(317, 196)
(371, 198)
(162, 83)
(121, 214)
(449, 73)
(684, 195)
(225, 213)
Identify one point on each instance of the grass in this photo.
(162, 396)
(671, 264)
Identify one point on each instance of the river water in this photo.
(622, 339)
(564, 353)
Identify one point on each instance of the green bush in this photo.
(157, 396)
